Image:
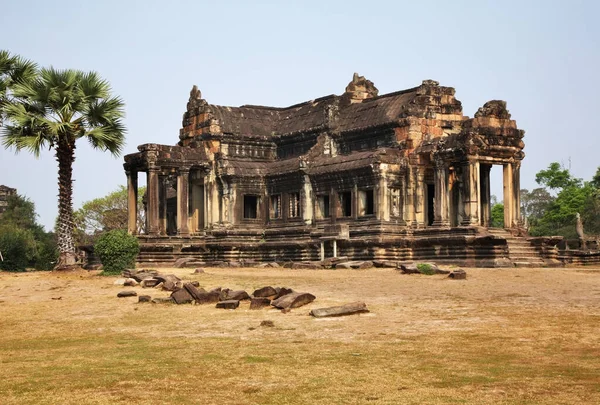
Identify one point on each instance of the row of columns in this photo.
(475, 205)
(154, 186)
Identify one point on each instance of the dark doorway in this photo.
(430, 204)
(250, 206)
(346, 204)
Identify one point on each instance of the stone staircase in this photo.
(520, 250)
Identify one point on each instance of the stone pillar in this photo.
(162, 198)
(440, 177)
(471, 195)
(419, 199)
(322, 251)
(334, 248)
(382, 199)
(306, 201)
(516, 173)
(485, 206)
(183, 198)
(132, 197)
(153, 201)
(508, 186)
(408, 189)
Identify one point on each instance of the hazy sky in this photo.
(542, 57)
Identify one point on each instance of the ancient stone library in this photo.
(397, 176)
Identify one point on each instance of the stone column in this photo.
(162, 198)
(306, 201)
(153, 201)
(516, 169)
(471, 189)
(485, 206)
(419, 197)
(440, 177)
(183, 198)
(382, 202)
(508, 187)
(132, 197)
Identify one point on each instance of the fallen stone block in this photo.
(260, 302)
(281, 291)
(234, 264)
(458, 274)
(127, 293)
(210, 297)
(181, 296)
(141, 274)
(195, 283)
(229, 304)
(345, 265)
(162, 300)
(357, 265)
(306, 266)
(131, 282)
(265, 292)
(342, 310)
(385, 264)
(144, 298)
(194, 291)
(267, 324)
(237, 295)
(199, 271)
(149, 283)
(331, 261)
(293, 300)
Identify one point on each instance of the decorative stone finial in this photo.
(360, 89)
(195, 94)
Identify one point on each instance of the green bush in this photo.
(426, 268)
(18, 248)
(117, 251)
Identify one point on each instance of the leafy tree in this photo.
(498, 216)
(105, 214)
(54, 110)
(534, 204)
(556, 177)
(573, 196)
(13, 69)
(23, 236)
(17, 246)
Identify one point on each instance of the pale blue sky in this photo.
(542, 57)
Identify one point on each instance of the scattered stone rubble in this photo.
(190, 292)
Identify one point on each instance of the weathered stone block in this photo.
(181, 296)
(229, 304)
(342, 310)
(265, 292)
(260, 302)
(127, 293)
(293, 300)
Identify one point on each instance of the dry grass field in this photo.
(503, 336)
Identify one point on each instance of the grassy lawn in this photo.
(503, 336)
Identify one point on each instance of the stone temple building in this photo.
(5, 192)
(398, 176)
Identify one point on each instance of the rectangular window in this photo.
(275, 207)
(250, 206)
(322, 206)
(366, 202)
(294, 205)
(346, 204)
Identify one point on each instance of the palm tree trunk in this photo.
(65, 155)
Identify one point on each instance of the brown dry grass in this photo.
(514, 336)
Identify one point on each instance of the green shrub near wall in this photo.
(117, 251)
(18, 248)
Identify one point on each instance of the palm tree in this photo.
(13, 69)
(54, 110)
